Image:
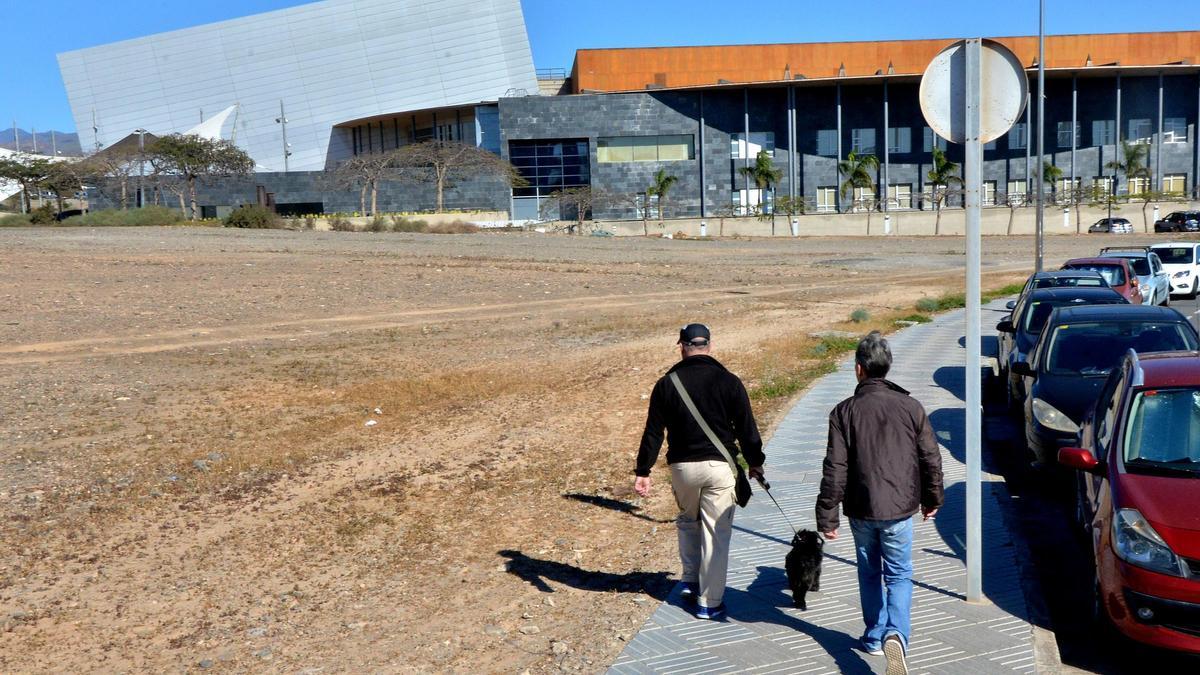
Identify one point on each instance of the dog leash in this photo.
(767, 489)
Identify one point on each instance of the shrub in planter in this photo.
(253, 216)
(43, 215)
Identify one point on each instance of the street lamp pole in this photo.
(1041, 136)
(282, 121)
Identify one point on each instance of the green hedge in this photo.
(143, 217)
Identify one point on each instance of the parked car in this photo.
(1065, 278)
(1179, 221)
(1139, 461)
(1112, 226)
(1181, 261)
(1018, 331)
(1116, 271)
(1153, 279)
(1073, 355)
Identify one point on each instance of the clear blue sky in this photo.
(31, 89)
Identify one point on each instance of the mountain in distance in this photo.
(66, 142)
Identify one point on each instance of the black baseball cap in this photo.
(694, 334)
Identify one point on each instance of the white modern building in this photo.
(345, 75)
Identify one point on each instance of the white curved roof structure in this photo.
(327, 61)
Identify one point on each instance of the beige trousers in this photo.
(704, 493)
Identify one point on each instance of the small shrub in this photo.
(377, 224)
(454, 227)
(831, 345)
(255, 217)
(915, 318)
(341, 224)
(402, 224)
(42, 215)
(310, 223)
(148, 216)
(15, 220)
(927, 305)
(860, 315)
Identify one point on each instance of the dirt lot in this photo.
(330, 452)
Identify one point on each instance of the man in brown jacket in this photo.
(882, 465)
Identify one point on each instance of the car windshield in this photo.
(1164, 430)
(1092, 349)
(1055, 282)
(1039, 310)
(1176, 255)
(1113, 275)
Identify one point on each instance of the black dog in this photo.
(804, 565)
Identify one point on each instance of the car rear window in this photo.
(1164, 429)
(1093, 348)
(1056, 282)
(1114, 275)
(1038, 311)
(1176, 255)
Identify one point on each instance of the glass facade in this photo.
(549, 166)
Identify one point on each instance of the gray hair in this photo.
(874, 355)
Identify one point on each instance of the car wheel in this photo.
(1166, 299)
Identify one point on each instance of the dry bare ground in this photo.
(327, 452)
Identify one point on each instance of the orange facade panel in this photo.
(635, 68)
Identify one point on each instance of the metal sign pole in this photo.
(972, 167)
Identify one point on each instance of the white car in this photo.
(1181, 261)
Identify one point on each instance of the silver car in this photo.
(1112, 225)
(1153, 279)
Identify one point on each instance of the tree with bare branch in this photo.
(112, 168)
(575, 202)
(366, 172)
(194, 159)
(445, 163)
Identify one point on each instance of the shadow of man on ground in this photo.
(537, 572)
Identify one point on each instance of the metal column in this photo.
(1196, 143)
(1028, 151)
(791, 132)
(972, 168)
(744, 146)
(886, 157)
(700, 156)
(837, 192)
(1041, 138)
(1117, 150)
(1074, 135)
(1157, 182)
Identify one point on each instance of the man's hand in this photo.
(928, 513)
(832, 534)
(756, 472)
(641, 485)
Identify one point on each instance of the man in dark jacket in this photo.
(882, 465)
(701, 478)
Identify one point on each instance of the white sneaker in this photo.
(893, 649)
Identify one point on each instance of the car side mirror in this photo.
(1011, 304)
(1006, 326)
(1023, 369)
(1081, 460)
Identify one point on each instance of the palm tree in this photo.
(662, 185)
(941, 176)
(1135, 166)
(858, 171)
(1051, 174)
(765, 176)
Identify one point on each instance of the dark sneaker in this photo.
(690, 591)
(871, 647)
(893, 649)
(711, 613)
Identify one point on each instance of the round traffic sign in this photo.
(1003, 91)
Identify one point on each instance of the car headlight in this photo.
(1181, 274)
(1137, 543)
(1053, 418)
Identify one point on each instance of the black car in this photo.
(1179, 221)
(1072, 357)
(1019, 330)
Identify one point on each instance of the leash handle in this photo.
(761, 481)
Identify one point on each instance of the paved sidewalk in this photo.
(766, 634)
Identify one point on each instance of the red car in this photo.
(1139, 497)
(1116, 271)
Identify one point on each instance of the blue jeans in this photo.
(884, 552)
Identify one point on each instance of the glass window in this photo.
(900, 195)
(618, 149)
(1176, 255)
(988, 196)
(642, 211)
(1140, 131)
(1065, 139)
(826, 198)
(990, 145)
(1113, 274)
(1018, 136)
(1106, 411)
(1067, 187)
(1016, 192)
(1103, 184)
(1174, 183)
(899, 139)
(929, 139)
(1138, 185)
(1175, 130)
(1095, 348)
(827, 142)
(864, 198)
(862, 141)
(760, 141)
(1104, 132)
(1164, 429)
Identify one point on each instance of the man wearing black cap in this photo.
(701, 477)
